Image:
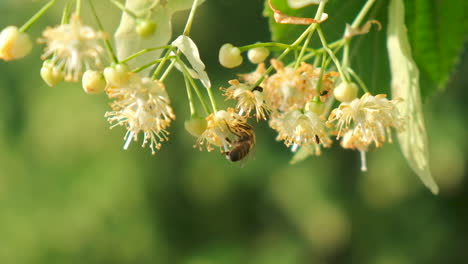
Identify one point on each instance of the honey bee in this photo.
(243, 144)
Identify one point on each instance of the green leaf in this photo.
(437, 31)
(405, 85)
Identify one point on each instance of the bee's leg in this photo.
(230, 130)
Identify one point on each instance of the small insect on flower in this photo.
(243, 144)
(217, 130)
(73, 47)
(248, 99)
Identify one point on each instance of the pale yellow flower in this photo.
(290, 88)
(222, 128)
(248, 99)
(142, 106)
(364, 121)
(73, 47)
(374, 115)
(298, 129)
(355, 139)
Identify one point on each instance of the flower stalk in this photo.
(36, 16)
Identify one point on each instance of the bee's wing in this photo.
(249, 156)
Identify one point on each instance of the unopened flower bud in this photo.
(93, 82)
(346, 92)
(50, 74)
(117, 75)
(145, 27)
(14, 44)
(315, 106)
(195, 126)
(230, 56)
(258, 55)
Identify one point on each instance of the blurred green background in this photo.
(70, 194)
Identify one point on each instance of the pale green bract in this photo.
(405, 85)
(127, 39)
(190, 50)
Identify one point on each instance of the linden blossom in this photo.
(294, 96)
(141, 105)
(291, 88)
(248, 99)
(299, 129)
(74, 48)
(220, 128)
(366, 120)
(374, 113)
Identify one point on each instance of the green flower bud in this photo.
(117, 75)
(315, 106)
(50, 74)
(195, 125)
(145, 27)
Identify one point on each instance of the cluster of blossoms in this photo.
(75, 51)
(295, 99)
(73, 48)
